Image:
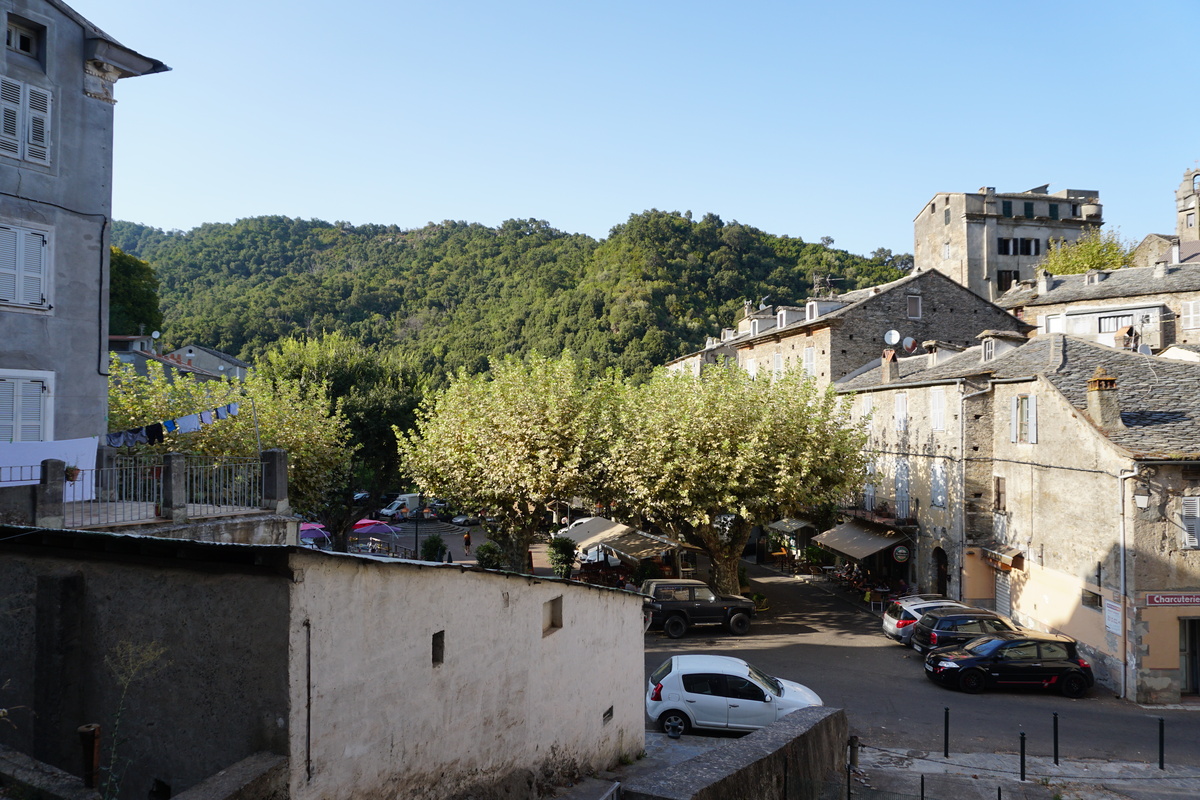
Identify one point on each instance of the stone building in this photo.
(987, 241)
(355, 676)
(56, 96)
(832, 337)
(1152, 307)
(1184, 246)
(1057, 481)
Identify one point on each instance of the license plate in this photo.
(928, 667)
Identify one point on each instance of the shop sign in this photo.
(900, 554)
(1173, 599)
(1112, 616)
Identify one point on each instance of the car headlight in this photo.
(947, 665)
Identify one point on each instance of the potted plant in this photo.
(71, 473)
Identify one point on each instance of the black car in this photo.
(1015, 658)
(679, 604)
(943, 627)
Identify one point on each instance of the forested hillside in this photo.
(453, 294)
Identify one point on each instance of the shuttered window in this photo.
(937, 409)
(1191, 315)
(810, 361)
(24, 121)
(22, 410)
(937, 488)
(1024, 419)
(1191, 522)
(23, 266)
(901, 411)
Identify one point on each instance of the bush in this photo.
(489, 556)
(562, 556)
(433, 548)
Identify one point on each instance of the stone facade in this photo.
(987, 241)
(55, 210)
(1071, 506)
(839, 335)
(374, 677)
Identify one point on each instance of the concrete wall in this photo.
(788, 759)
(510, 705)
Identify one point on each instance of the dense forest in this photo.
(451, 295)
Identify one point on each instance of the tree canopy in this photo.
(1095, 249)
(133, 295)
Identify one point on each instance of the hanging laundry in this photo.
(115, 439)
(169, 425)
(137, 436)
(233, 409)
(188, 424)
(154, 433)
(206, 418)
(222, 412)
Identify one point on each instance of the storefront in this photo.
(881, 553)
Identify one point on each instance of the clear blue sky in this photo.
(803, 118)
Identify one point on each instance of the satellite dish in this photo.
(910, 344)
(891, 337)
(155, 334)
(1144, 349)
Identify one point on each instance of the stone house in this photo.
(363, 677)
(717, 350)
(56, 96)
(1057, 481)
(832, 337)
(1184, 246)
(987, 241)
(211, 361)
(1154, 307)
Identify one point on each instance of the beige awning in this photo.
(790, 525)
(1003, 556)
(854, 539)
(623, 540)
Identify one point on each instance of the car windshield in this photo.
(984, 646)
(766, 680)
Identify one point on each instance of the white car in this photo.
(902, 614)
(720, 692)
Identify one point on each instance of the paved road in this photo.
(819, 637)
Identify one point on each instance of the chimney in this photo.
(889, 368)
(1045, 281)
(1103, 405)
(1160, 270)
(1175, 252)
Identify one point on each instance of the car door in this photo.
(705, 607)
(704, 695)
(750, 706)
(965, 630)
(1017, 664)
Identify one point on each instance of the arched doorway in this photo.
(941, 570)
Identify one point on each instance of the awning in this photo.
(1003, 556)
(790, 525)
(854, 539)
(621, 539)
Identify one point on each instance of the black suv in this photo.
(1014, 658)
(943, 627)
(679, 604)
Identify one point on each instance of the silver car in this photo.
(902, 614)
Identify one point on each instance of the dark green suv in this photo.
(679, 604)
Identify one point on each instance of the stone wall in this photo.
(787, 760)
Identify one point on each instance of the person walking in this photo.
(467, 542)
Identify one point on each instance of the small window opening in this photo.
(1091, 600)
(439, 648)
(608, 715)
(22, 39)
(552, 618)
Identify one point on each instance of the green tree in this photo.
(132, 295)
(273, 413)
(1094, 249)
(512, 443)
(708, 458)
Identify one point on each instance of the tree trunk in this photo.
(725, 574)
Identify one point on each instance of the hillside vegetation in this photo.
(452, 295)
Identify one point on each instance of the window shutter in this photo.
(810, 360)
(33, 268)
(1191, 314)
(30, 412)
(8, 264)
(1033, 419)
(10, 118)
(1014, 421)
(8, 410)
(937, 409)
(37, 143)
(1191, 522)
(901, 412)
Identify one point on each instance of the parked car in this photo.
(721, 692)
(465, 520)
(945, 627)
(392, 509)
(902, 614)
(1012, 658)
(679, 604)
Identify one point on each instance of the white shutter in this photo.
(1191, 315)
(1014, 421)
(810, 360)
(37, 142)
(8, 410)
(30, 411)
(937, 409)
(1033, 419)
(10, 118)
(1191, 522)
(33, 268)
(901, 412)
(937, 494)
(8, 264)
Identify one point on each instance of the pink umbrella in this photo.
(362, 523)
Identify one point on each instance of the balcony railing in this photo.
(884, 511)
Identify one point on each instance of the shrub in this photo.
(489, 556)
(562, 555)
(433, 548)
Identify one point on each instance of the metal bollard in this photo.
(674, 729)
(1161, 742)
(854, 751)
(1022, 755)
(89, 739)
(1056, 738)
(946, 735)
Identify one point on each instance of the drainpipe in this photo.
(1121, 478)
(962, 502)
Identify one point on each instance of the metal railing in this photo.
(129, 491)
(223, 485)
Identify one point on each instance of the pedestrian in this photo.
(467, 542)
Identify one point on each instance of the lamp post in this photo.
(417, 525)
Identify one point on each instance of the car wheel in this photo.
(971, 681)
(739, 624)
(675, 626)
(674, 719)
(1073, 685)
